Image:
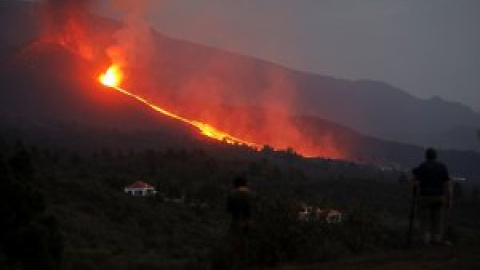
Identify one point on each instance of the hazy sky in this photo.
(426, 47)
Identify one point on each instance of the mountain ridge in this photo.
(53, 68)
(91, 114)
(179, 68)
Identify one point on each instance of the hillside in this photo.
(69, 147)
(184, 226)
(372, 108)
(180, 68)
(47, 98)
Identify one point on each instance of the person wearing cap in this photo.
(433, 185)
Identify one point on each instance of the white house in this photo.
(140, 189)
(459, 179)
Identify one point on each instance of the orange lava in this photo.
(113, 78)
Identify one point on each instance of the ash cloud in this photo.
(66, 23)
(134, 47)
(132, 42)
(59, 12)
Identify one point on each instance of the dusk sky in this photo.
(428, 47)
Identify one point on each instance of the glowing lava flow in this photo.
(113, 77)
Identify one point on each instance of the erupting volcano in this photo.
(227, 98)
(113, 77)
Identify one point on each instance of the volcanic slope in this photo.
(45, 85)
(373, 108)
(56, 92)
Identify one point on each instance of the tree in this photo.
(21, 163)
(403, 178)
(475, 193)
(29, 238)
(457, 190)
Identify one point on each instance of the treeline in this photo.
(30, 235)
(73, 207)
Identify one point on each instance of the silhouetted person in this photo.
(240, 205)
(434, 187)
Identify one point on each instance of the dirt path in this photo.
(463, 255)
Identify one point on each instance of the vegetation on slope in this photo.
(88, 222)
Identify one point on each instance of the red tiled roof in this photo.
(140, 184)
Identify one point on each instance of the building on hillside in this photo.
(140, 189)
(310, 213)
(333, 216)
(305, 212)
(458, 179)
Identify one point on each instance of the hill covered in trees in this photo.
(86, 221)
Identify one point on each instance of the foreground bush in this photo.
(279, 236)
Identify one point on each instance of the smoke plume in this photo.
(247, 98)
(65, 23)
(134, 47)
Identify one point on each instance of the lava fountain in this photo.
(112, 77)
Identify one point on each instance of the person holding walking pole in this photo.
(413, 206)
(432, 181)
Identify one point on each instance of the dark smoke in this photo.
(68, 24)
(59, 12)
(134, 46)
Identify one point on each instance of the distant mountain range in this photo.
(47, 87)
(370, 107)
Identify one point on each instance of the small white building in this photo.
(309, 213)
(333, 216)
(459, 179)
(140, 189)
